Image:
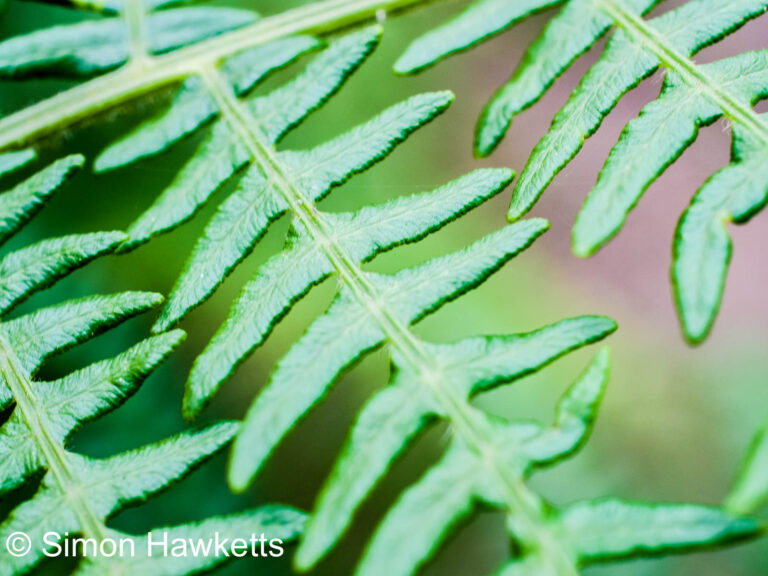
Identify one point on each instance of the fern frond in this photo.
(702, 247)
(488, 460)
(290, 274)
(20, 204)
(428, 381)
(87, 48)
(79, 493)
(609, 529)
(359, 320)
(149, 67)
(244, 216)
(24, 271)
(487, 463)
(693, 96)
(226, 149)
(12, 161)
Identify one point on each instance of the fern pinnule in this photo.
(479, 21)
(750, 491)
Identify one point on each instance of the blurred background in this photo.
(675, 422)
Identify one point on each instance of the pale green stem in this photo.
(130, 82)
(135, 13)
(693, 75)
(524, 508)
(26, 402)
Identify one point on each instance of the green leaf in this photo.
(39, 334)
(80, 49)
(190, 108)
(12, 161)
(349, 328)
(274, 522)
(135, 475)
(317, 170)
(286, 277)
(217, 158)
(613, 529)
(659, 135)
(20, 204)
(622, 65)
(33, 268)
(249, 68)
(286, 107)
(95, 46)
(702, 248)
(430, 509)
(171, 29)
(416, 292)
(751, 488)
(77, 398)
(476, 23)
(110, 484)
(283, 280)
(231, 235)
(575, 416)
(101, 387)
(483, 363)
(569, 34)
(383, 429)
(242, 219)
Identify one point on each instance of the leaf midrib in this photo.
(522, 505)
(22, 391)
(693, 75)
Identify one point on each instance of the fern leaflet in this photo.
(692, 96)
(78, 493)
